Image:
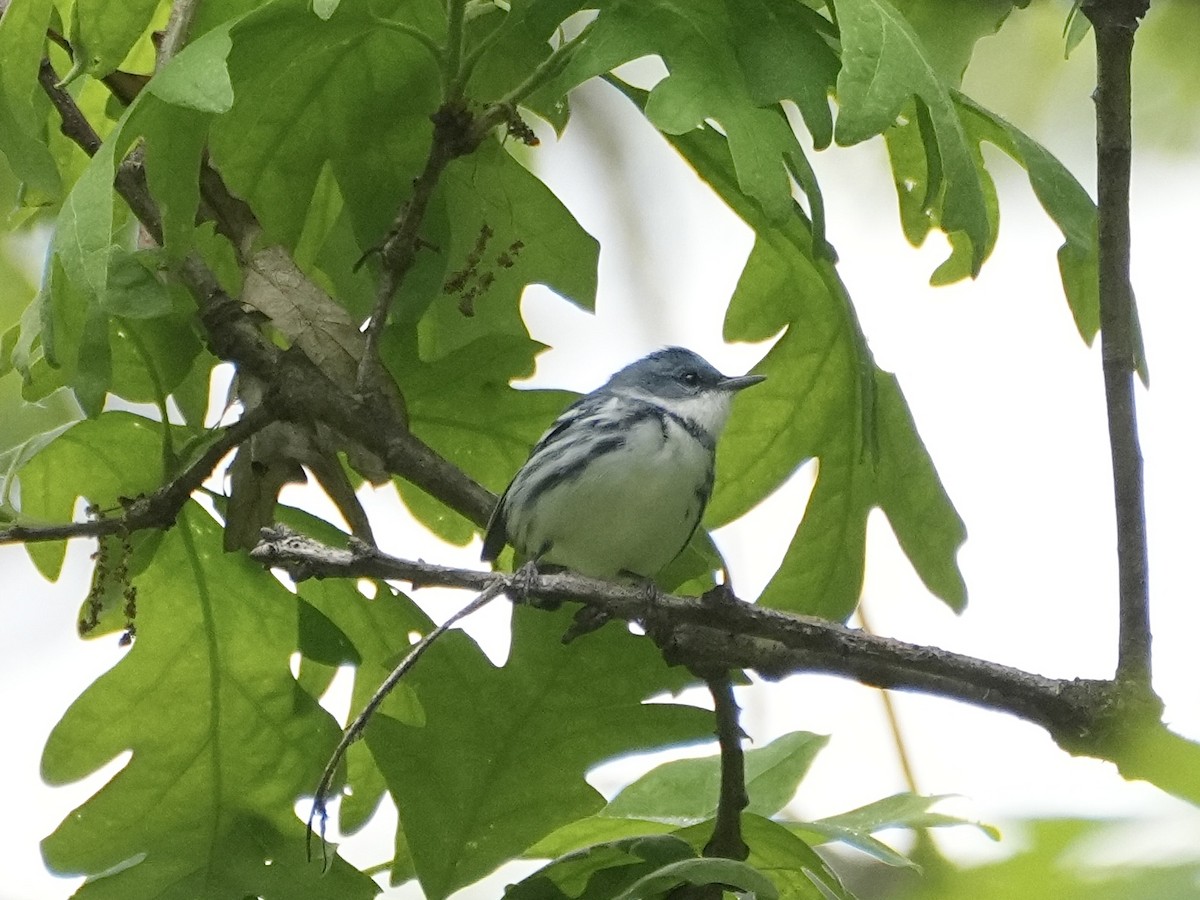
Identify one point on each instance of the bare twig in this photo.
(726, 840)
(355, 729)
(456, 132)
(1114, 22)
(737, 635)
(176, 33)
(157, 510)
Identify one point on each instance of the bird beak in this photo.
(741, 381)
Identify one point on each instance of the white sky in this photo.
(1010, 405)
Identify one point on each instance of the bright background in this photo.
(1007, 398)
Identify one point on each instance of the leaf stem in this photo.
(413, 32)
(453, 79)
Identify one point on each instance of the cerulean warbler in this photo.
(618, 484)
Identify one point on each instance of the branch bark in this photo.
(727, 841)
(157, 510)
(731, 634)
(1114, 22)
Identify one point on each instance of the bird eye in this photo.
(691, 379)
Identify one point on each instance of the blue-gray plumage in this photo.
(618, 484)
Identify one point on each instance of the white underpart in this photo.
(632, 510)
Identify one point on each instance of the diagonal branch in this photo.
(157, 510)
(1115, 22)
(302, 392)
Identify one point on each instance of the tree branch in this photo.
(176, 33)
(1115, 22)
(736, 635)
(157, 510)
(726, 840)
(456, 132)
(302, 392)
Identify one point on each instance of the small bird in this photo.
(618, 484)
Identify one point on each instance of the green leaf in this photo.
(948, 34)
(735, 874)
(22, 142)
(820, 400)
(223, 743)
(796, 869)
(901, 811)
(1065, 200)
(83, 234)
(786, 51)
(599, 871)
(706, 82)
(151, 358)
(1075, 29)
(197, 77)
(93, 377)
(174, 139)
(104, 459)
(527, 236)
(134, 290)
(685, 791)
(884, 63)
(322, 641)
(322, 85)
(474, 790)
(104, 33)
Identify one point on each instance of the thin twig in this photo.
(175, 35)
(452, 75)
(156, 510)
(355, 729)
(456, 133)
(726, 840)
(1114, 22)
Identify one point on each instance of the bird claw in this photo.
(521, 584)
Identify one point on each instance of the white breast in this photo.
(631, 510)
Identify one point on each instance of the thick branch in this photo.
(736, 635)
(302, 391)
(1115, 22)
(157, 510)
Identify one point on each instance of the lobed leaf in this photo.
(685, 791)
(822, 398)
(115, 455)
(475, 790)
(884, 63)
(222, 741)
